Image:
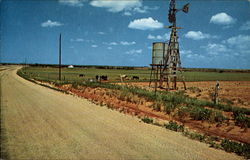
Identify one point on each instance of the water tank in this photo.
(159, 50)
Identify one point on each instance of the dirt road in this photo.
(41, 123)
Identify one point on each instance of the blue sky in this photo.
(215, 34)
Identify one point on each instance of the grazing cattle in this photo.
(123, 77)
(97, 77)
(105, 78)
(135, 78)
(81, 75)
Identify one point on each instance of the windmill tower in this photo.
(170, 65)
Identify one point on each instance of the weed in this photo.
(216, 116)
(238, 148)
(194, 89)
(174, 126)
(183, 112)
(242, 120)
(147, 120)
(198, 113)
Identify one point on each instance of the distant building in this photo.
(70, 66)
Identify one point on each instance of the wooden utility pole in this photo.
(60, 57)
(216, 93)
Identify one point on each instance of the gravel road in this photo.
(41, 123)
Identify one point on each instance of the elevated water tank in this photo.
(159, 51)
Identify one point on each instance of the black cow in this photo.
(105, 78)
(81, 75)
(135, 78)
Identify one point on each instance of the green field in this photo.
(51, 74)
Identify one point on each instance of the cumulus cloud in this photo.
(111, 43)
(141, 9)
(79, 40)
(101, 33)
(145, 24)
(159, 37)
(127, 43)
(195, 56)
(245, 26)
(50, 23)
(215, 49)
(73, 3)
(109, 48)
(241, 42)
(127, 13)
(94, 45)
(185, 52)
(116, 6)
(134, 51)
(222, 19)
(198, 35)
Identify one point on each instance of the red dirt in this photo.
(141, 108)
(235, 92)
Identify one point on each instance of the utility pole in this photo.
(60, 56)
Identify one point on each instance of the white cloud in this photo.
(185, 52)
(111, 43)
(134, 51)
(195, 56)
(215, 49)
(115, 5)
(166, 36)
(50, 23)
(145, 24)
(73, 3)
(94, 45)
(222, 18)
(109, 48)
(127, 43)
(127, 13)
(79, 40)
(198, 35)
(241, 42)
(140, 9)
(101, 33)
(246, 26)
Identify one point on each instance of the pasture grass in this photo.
(51, 73)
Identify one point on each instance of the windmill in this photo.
(172, 61)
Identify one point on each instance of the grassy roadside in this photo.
(3, 140)
(180, 105)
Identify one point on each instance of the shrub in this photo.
(157, 106)
(183, 111)
(238, 148)
(216, 116)
(242, 120)
(169, 107)
(147, 120)
(198, 113)
(174, 126)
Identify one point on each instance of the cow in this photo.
(123, 77)
(135, 78)
(105, 78)
(81, 75)
(97, 77)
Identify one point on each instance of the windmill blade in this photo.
(185, 8)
